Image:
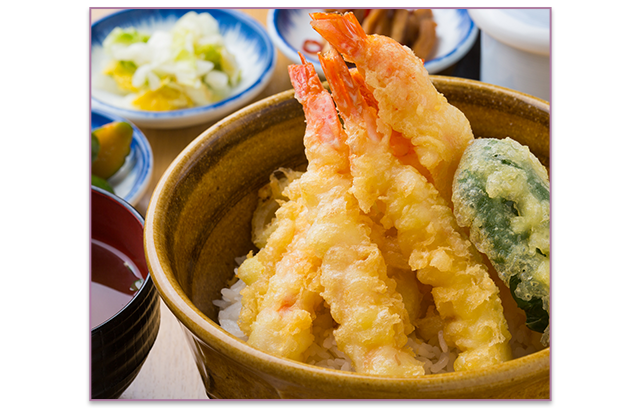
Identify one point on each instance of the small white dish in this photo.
(516, 49)
(243, 36)
(290, 29)
(132, 179)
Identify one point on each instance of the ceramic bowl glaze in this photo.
(120, 344)
(199, 220)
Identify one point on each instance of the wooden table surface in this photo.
(170, 371)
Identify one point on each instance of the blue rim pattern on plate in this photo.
(227, 19)
(469, 32)
(282, 25)
(133, 179)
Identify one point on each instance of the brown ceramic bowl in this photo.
(199, 220)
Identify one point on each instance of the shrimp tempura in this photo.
(278, 305)
(257, 269)
(465, 295)
(407, 100)
(372, 321)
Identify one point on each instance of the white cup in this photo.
(515, 45)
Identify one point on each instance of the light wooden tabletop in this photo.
(170, 371)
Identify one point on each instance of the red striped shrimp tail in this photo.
(344, 32)
(305, 80)
(344, 89)
(364, 89)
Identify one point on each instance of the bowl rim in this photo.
(223, 105)
(211, 333)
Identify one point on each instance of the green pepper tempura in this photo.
(501, 192)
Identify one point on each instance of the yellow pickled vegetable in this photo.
(115, 145)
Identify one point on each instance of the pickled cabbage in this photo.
(168, 70)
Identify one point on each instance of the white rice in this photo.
(230, 306)
(436, 355)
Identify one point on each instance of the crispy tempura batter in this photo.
(428, 237)
(270, 198)
(278, 308)
(256, 270)
(278, 305)
(407, 100)
(373, 323)
(401, 147)
(367, 242)
(501, 193)
(283, 324)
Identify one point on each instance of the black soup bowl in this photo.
(124, 304)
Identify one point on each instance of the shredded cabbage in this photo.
(166, 70)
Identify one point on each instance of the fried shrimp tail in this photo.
(407, 100)
(324, 136)
(343, 32)
(372, 321)
(465, 296)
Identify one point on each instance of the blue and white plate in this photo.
(132, 179)
(290, 29)
(243, 36)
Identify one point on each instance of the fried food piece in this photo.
(401, 147)
(372, 321)
(501, 192)
(287, 310)
(256, 270)
(271, 197)
(428, 237)
(407, 283)
(278, 305)
(407, 100)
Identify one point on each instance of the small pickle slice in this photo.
(114, 140)
(101, 183)
(501, 193)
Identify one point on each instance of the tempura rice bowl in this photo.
(199, 222)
